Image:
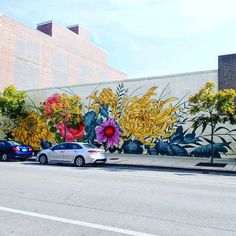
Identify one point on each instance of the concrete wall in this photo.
(32, 59)
(177, 85)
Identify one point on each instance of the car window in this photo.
(59, 147)
(13, 143)
(89, 145)
(73, 146)
(2, 144)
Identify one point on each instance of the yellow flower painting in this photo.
(142, 118)
(32, 130)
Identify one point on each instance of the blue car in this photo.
(13, 150)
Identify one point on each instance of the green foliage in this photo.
(12, 103)
(6, 126)
(121, 93)
(212, 108)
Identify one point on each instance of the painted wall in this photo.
(139, 115)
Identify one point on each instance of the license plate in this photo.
(24, 149)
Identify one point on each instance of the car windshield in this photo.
(89, 145)
(13, 143)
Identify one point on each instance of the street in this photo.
(66, 200)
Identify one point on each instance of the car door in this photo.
(72, 151)
(3, 147)
(57, 153)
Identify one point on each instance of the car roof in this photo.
(81, 143)
(73, 142)
(7, 141)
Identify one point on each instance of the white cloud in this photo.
(208, 15)
(157, 18)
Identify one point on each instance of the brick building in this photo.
(50, 55)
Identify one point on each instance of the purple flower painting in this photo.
(109, 133)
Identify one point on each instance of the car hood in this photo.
(44, 151)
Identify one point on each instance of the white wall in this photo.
(178, 85)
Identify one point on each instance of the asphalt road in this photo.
(65, 200)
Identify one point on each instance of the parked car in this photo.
(72, 152)
(14, 150)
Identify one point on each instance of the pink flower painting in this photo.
(49, 102)
(70, 134)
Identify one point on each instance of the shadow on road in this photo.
(129, 168)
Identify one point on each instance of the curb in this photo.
(197, 170)
(204, 171)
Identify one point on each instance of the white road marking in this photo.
(75, 222)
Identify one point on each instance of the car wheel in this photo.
(79, 161)
(4, 157)
(43, 159)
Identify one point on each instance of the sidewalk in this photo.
(171, 162)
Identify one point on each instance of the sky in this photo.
(143, 37)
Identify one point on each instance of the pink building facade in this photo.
(50, 56)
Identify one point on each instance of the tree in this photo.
(11, 108)
(65, 112)
(12, 103)
(212, 108)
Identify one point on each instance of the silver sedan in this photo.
(72, 152)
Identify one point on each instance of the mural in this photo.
(6, 127)
(63, 114)
(125, 123)
(120, 121)
(32, 129)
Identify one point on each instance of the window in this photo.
(73, 146)
(2, 144)
(89, 145)
(13, 143)
(59, 147)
